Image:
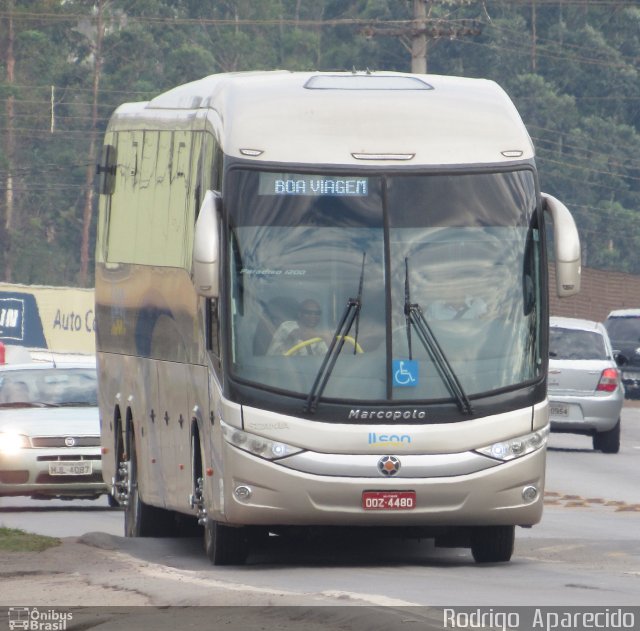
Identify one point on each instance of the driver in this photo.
(305, 327)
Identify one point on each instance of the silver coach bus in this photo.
(322, 301)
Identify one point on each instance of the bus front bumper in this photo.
(260, 492)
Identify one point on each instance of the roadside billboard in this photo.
(59, 319)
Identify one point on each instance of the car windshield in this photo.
(576, 344)
(302, 248)
(624, 328)
(49, 386)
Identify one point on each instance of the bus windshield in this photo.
(460, 250)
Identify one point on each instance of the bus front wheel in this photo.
(492, 544)
(225, 545)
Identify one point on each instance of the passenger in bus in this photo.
(291, 335)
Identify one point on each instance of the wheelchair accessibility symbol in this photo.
(405, 373)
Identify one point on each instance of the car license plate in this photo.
(70, 468)
(558, 409)
(388, 500)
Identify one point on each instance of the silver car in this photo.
(49, 431)
(585, 390)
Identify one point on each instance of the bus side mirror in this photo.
(567, 247)
(206, 246)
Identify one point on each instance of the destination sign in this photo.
(284, 184)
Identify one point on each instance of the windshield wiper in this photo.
(351, 314)
(414, 317)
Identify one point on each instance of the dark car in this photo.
(623, 327)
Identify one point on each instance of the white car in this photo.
(50, 431)
(584, 387)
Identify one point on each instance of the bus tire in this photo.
(225, 545)
(140, 519)
(492, 544)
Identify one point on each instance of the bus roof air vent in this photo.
(365, 82)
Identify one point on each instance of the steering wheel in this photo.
(300, 345)
(352, 341)
(313, 340)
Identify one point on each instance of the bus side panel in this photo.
(184, 399)
(128, 402)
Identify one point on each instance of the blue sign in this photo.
(12, 319)
(20, 322)
(405, 373)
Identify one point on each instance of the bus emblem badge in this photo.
(389, 465)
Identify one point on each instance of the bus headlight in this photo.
(257, 445)
(12, 442)
(516, 447)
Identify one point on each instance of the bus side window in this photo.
(204, 170)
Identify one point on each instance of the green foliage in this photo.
(13, 540)
(571, 68)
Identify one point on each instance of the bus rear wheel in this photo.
(225, 545)
(492, 544)
(140, 519)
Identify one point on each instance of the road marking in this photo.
(194, 577)
(553, 498)
(373, 599)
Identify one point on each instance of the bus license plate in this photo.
(388, 500)
(70, 468)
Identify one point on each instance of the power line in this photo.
(544, 53)
(634, 164)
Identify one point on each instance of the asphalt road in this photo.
(585, 552)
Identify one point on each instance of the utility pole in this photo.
(91, 158)
(423, 28)
(533, 37)
(10, 148)
(419, 38)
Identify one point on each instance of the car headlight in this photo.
(257, 445)
(12, 442)
(516, 447)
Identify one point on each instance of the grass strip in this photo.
(14, 540)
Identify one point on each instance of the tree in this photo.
(572, 70)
